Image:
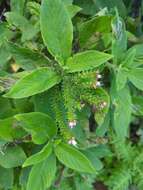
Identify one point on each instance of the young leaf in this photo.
(86, 60)
(27, 58)
(42, 174)
(36, 82)
(12, 157)
(73, 158)
(39, 125)
(56, 28)
(40, 156)
(136, 77)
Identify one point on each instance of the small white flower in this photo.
(72, 141)
(98, 83)
(99, 76)
(103, 105)
(72, 124)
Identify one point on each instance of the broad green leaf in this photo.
(17, 6)
(36, 82)
(86, 60)
(39, 125)
(119, 41)
(56, 28)
(9, 130)
(122, 111)
(27, 58)
(40, 156)
(73, 158)
(27, 29)
(42, 174)
(89, 28)
(136, 77)
(6, 178)
(121, 78)
(12, 157)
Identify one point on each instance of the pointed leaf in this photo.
(73, 158)
(87, 60)
(56, 28)
(36, 82)
(40, 156)
(42, 174)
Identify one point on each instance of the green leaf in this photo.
(138, 61)
(17, 6)
(119, 41)
(4, 55)
(39, 125)
(56, 28)
(122, 112)
(90, 154)
(9, 129)
(89, 28)
(5, 33)
(73, 10)
(130, 58)
(136, 77)
(42, 174)
(73, 158)
(137, 107)
(27, 29)
(27, 58)
(93, 6)
(36, 82)
(12, 157)
(86, 60)
(121, 78)
(68, 2)
(6, 178)
(40, 156)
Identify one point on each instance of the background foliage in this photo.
(71, 105)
